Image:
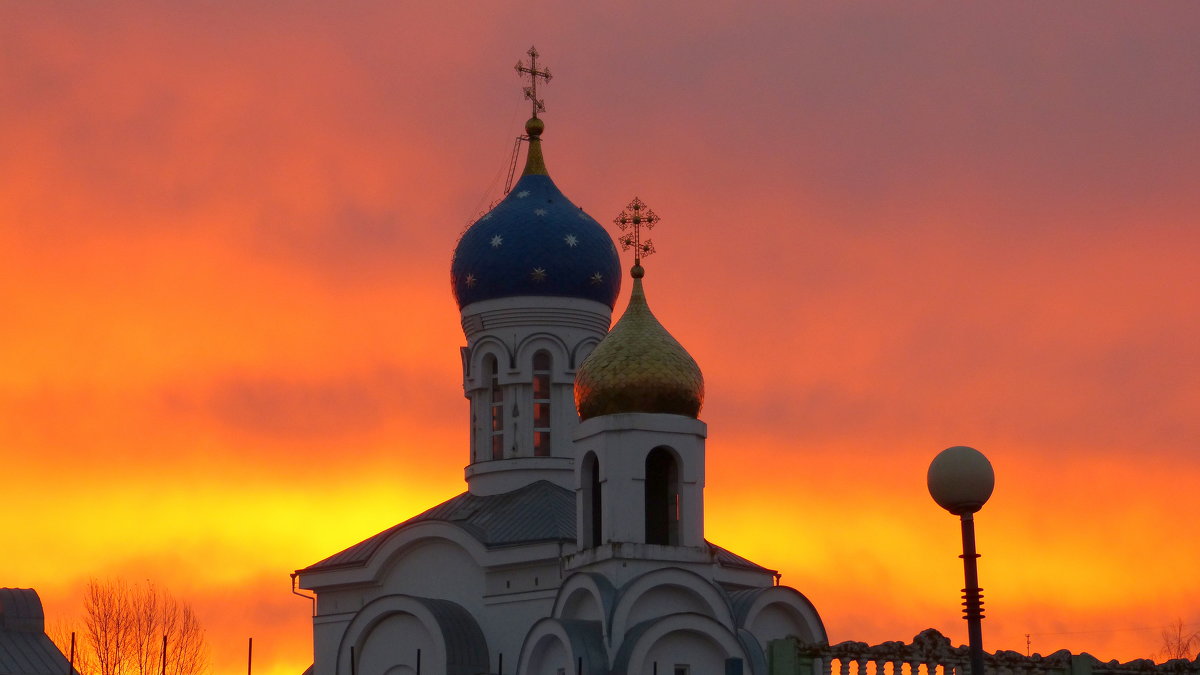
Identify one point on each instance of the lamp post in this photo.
(961, 480)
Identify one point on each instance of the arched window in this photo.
(662, 498)
(541, 404)
(496, 399)
(592, 505)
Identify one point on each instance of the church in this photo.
(578, 546)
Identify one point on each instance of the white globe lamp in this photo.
(961, 480)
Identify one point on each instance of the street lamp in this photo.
(961, 480)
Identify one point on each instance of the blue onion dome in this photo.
(535, 242)
(639, 367)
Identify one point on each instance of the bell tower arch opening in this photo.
(663, 506)
(593, 504)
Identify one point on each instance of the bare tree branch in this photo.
(125, 628)
(60, 631)
(1180, 643)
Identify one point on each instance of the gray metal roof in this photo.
(25, 649)
(466, 646)
(727, 558)
(538, 512)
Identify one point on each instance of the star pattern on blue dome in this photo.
(535, 242)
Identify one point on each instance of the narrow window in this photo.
(662, 498)
(497, 405)
(682, 669)
(541, 404)
(597, 511)
(592, 505)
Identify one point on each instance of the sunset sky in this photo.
(228, 346)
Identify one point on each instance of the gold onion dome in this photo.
(639, 367)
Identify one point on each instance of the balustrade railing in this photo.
(931, 653)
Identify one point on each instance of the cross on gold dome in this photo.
(534, 74)
(635, 217)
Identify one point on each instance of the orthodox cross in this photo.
(534, 74)
(631, 221)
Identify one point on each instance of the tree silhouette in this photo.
(125, 629)
(1180, 643)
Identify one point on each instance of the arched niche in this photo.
(697, 642)
(398, 642)
(395, 632)
(666, 591)
(584, 596)
(549, 655)
(488, 346)
(552, 345)
(582, 606)
(555, 646)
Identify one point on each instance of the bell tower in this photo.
(640, 477)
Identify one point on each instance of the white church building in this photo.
(578, 546)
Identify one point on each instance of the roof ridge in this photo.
(535, 512)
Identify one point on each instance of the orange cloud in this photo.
(228, 345)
